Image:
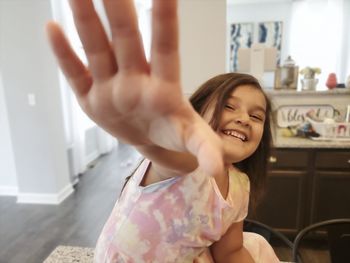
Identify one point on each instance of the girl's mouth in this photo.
(235, 134)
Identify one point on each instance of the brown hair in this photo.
(217, 90)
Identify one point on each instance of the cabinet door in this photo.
(330, 196)
(284, 203)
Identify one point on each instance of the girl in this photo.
(187, 200)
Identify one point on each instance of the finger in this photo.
(72, 67)
(165, 62)
(125, 35)
(97, 47)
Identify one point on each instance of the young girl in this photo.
(187, 200)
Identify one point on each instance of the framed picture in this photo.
(270, 33)
(241, 36)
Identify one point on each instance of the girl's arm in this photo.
(137, 101)
(230, 247)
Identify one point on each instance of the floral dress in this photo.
(174, 220)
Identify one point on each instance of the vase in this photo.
(331, 82)
(309, 84)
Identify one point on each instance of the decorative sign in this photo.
(290, 115)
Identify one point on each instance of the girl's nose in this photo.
(242, 119)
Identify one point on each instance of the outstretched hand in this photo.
(138, 102)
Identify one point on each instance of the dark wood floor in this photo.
(28, 233)
(309, 253)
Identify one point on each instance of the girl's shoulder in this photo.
(239, 179)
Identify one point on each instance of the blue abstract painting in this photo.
(270, 33)
(241, 36)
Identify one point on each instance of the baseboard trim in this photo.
(91, 157)
(48, 199)
(8, 190)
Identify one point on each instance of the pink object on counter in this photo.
(331, 82)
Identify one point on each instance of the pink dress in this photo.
(174, 220)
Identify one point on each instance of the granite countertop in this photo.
(339, 91)
(298, 142)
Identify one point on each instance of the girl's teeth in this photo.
(235, 134)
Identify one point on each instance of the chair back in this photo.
(334, 235)
(268, 233)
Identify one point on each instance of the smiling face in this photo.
(236, 107)
(242, 121)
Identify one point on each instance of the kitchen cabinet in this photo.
(305, 186)
(331, 185)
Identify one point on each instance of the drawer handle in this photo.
(273, 159)
(349, 161)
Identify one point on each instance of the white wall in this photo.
(37, 132)
(8, 180)
(346, 33)
(202, 41)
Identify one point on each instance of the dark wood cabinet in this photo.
(331, 185)
(331, 196)
(284, 203)
(305, 186)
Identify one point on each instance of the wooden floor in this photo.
(28, 233)
(309, 253)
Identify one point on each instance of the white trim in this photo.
(91, 157)
(76, 180)
(8, 190)
(49, 199)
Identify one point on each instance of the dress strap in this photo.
(132, 173)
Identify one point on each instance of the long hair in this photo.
(215, 92)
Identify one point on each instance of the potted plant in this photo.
(309, 81)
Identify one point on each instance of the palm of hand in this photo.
(124, 107)
(136, 101)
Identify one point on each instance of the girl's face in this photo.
(242, 121)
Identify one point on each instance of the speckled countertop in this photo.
(283, 92)
(68, 254)
(280, 141)
(297, 142)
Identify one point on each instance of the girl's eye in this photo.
(257, 117)
(230, 107)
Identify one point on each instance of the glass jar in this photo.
(286, 76)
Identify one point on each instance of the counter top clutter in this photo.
(311, 121)
(295, 129)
